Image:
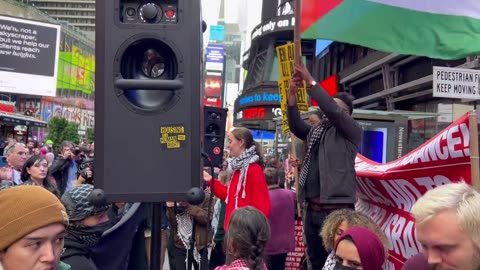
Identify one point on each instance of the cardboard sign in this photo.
(283, 90)
(286, 62)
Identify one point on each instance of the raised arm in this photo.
(298, 127)
(341, 120)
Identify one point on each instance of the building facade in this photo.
(378, 80)
(74, 98)
(78, 13)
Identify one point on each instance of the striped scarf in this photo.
(184, 231)
(313, 137)
(238, 265)
(249, 156)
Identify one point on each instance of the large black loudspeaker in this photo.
(214, 122)
(148, 102)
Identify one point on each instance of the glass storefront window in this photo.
(422, 130)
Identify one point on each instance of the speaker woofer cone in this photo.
(149, 59)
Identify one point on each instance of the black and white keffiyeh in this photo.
(313, 137)
(249, 156)
(184, 231)
(330, 262)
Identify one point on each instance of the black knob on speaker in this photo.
(195, 196)
(97, 198)
(149, 12)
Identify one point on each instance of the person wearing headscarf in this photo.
(359, 248)
(341, 220)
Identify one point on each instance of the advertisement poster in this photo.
(28, 56)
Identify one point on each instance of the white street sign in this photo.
(456, 83)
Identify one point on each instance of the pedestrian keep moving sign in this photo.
(456, 83)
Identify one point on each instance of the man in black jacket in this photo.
(87, 224)
(64, 169)
(327, 176)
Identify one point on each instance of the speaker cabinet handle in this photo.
(161, 85)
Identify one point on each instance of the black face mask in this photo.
(338, 266)
(89, 236)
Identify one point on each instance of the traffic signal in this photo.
(148, 98)
(214, 138)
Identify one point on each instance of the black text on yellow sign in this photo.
(286, 61)
(302, 100)
(172, 137)
(283, 89)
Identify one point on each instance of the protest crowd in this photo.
(51, 219)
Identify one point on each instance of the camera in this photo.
(84, 165)
(76, 151)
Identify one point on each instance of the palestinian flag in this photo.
(434, 28)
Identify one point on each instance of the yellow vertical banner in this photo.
(286, 61)
(283, 91)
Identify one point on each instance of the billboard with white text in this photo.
(28, 56)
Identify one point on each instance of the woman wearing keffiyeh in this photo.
(248, 185)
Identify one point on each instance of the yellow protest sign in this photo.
(286, 62)
(283, 89)
(285, 55)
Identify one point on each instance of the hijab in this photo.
(369, 246)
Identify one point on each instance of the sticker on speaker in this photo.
(172, 137)
(216, 150)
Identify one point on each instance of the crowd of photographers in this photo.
(71, 164)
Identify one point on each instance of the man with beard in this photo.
(448, 228)
(87, 224)
(327, 176)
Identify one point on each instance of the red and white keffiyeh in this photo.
(238, 265)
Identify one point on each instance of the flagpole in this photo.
(297, 39)
(297, 36)
(474, 152)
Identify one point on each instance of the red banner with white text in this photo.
(386, 192)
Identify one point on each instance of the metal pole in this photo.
(474, 151)
(296, 33)
(156, 238)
